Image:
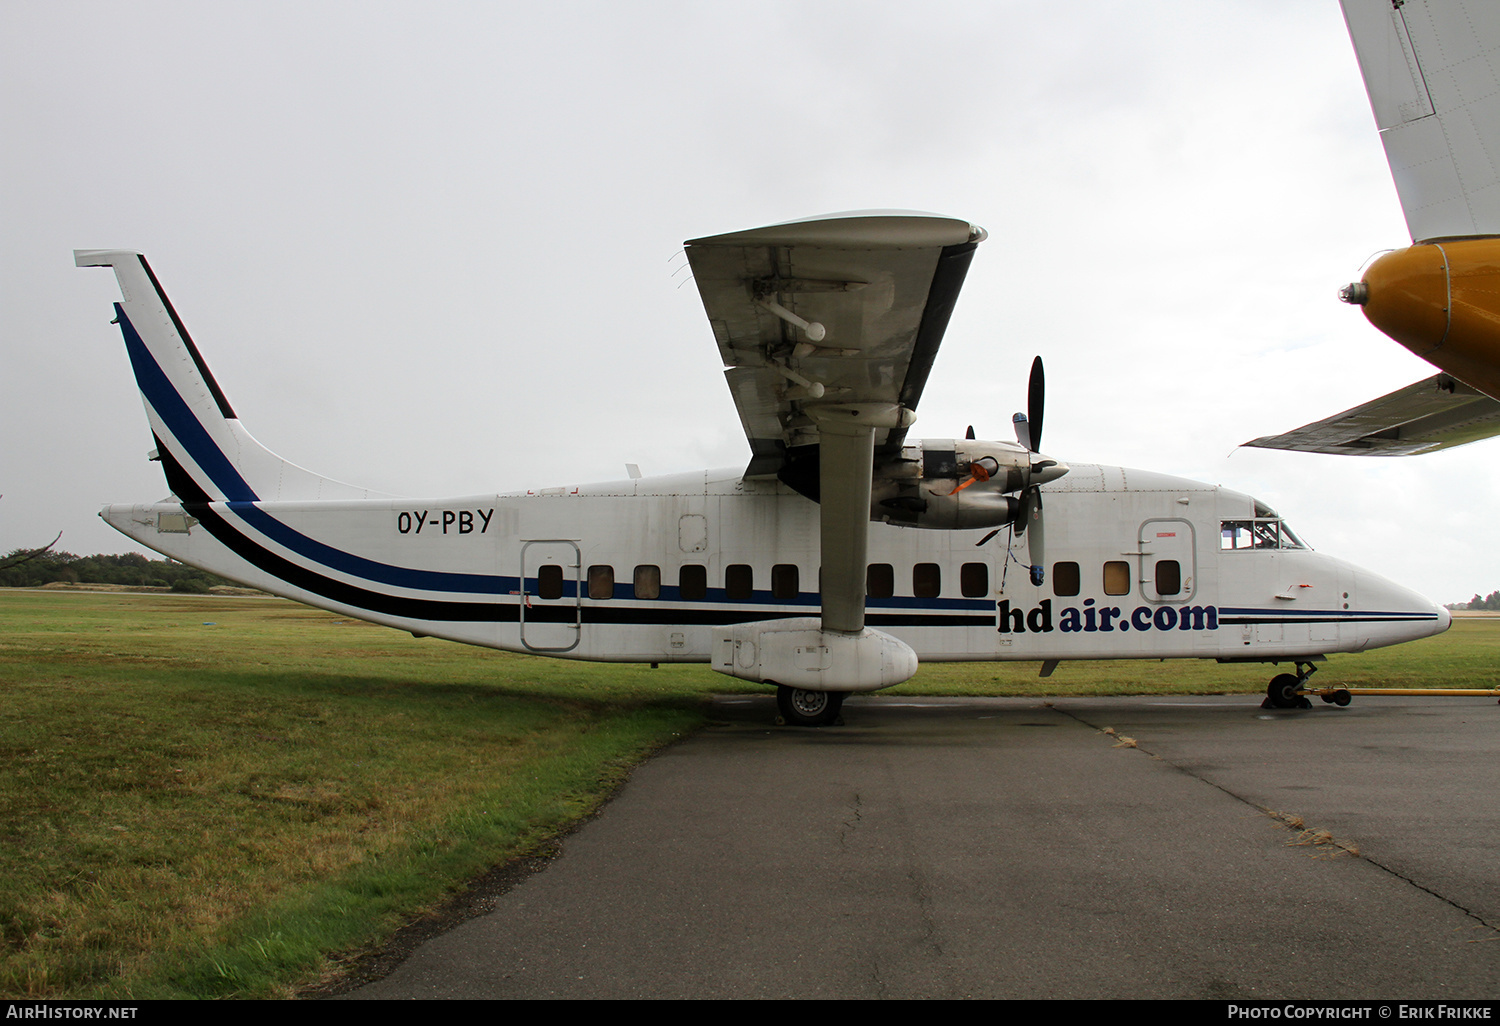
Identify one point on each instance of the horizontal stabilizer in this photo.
(1435, 413)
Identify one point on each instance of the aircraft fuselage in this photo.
(1141, 565)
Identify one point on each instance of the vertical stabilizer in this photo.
(205, 452)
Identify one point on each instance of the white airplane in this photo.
(843, 554)
(1432, 72)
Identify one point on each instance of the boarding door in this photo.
(551, 596)
(1169, 568)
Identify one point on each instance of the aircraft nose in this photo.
(1445, 619)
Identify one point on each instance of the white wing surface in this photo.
(1432, 70)
(829, 312)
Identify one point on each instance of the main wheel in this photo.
(802, 708)
(1283, 691)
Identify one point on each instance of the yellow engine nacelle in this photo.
(1441, 300)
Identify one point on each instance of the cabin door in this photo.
(1169, 567)
(551, 595)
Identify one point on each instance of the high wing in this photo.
(879, 285)
(828, 328)
(1434, 413)
(1430, 69)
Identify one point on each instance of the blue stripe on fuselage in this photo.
(179, 417)
(368, 569)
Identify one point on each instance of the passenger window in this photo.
(1117, 577)
(974, 580)
(1066, 580)
(784, 581)
(648, 582)
(601, 582)
(880, 580)
(926, 580)
(739, 582)
(692, 583)
(549, 581)
(1168, 577)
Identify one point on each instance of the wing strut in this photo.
(845, 466)
(846, 457)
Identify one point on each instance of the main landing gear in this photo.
(1285, 690)
(800, 708)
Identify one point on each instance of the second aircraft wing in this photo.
(1431, 414)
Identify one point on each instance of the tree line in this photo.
(30, 568)
(1490, 601)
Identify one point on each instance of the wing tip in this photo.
(894, 228)
(103, 257)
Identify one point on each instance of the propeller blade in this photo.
(1036, 394)
(1029, 517)
(970, 433)
(1037, 549)
(1023, 512)
(1023, 431)
(1029, 433)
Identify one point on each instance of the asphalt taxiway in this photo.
(1020, 848)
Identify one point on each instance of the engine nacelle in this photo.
(954, 484)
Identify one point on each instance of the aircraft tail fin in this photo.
(206, 453)
(1430, 71)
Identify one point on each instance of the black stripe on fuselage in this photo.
(310, 580)
(339, 591)
(710, 616)
(178, 479)
(1344, 618)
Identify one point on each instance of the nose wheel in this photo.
(1285, 689)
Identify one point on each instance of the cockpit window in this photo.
(1257, 534)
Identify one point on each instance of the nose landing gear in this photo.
(1285, 690)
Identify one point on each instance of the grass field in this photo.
(213, 796)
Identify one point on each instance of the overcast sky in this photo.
(435, 248)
